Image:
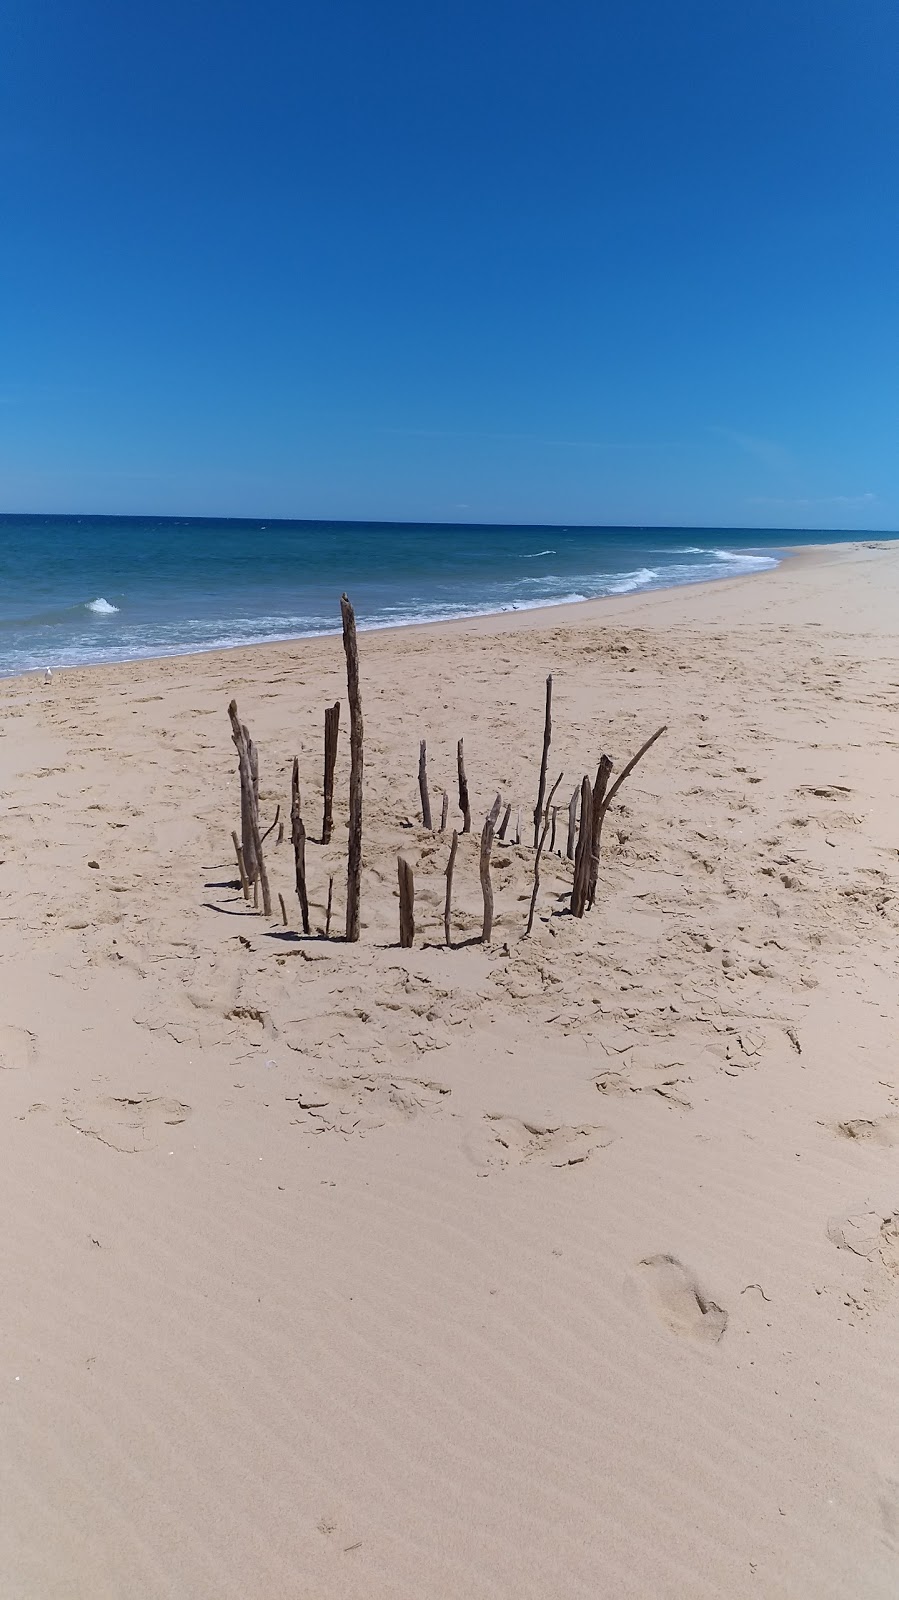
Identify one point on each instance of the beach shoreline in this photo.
(564, 1264)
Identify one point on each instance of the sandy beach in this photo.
(567, 1267)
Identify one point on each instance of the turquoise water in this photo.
(91, 589)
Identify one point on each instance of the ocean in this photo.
(76, 590)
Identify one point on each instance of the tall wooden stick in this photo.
(464, 805)
(407, 903)
(486, 885)
(328, 912)
(603, 774)
(423, 786)
(448, 904)
(253, 758)
(584, 854)
(242, 742)
(444, 812)
(298, 840)
(540, 844)
(354, 852)
(332, 729)
(572, 824)
(238, 851)
(547, 738)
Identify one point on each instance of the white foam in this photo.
(633, 580)
(537, 553)
(743, 558)
(101, 607)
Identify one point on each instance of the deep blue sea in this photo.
(91, 589)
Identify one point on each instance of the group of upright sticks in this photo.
(583, 844)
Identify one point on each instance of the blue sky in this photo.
(571, 262)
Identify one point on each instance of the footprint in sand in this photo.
(18, 1048)
(869, 1234)
(366, 1101)
(876, 1130)
(504, 1141)
(678, 1301)
(128, 1123)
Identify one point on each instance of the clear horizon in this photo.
(613, 267)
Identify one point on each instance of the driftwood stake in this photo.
(407, 903)
(547, 739)
(584, 854)
(572, 824)
(238, 851)
(541, 842)
(248, 804)
(505, 823)
(423, 787)
(486, 885)
(283, 910)
(328, 912)
(444, 812)
(448, 903)
(332, 729)
(603, 773)
(354, 852)
(464, 805)
(298, 840)
(552, 837)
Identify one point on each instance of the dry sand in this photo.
(565, 1268)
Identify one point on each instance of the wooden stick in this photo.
(354, 852)
(632, 763)
(274, 824)
(253, 757)
(547, 738)
(603, 773)
(572, 824)
(486, 885)
(448, 904)
(584, 854)
(280, 833)
(332, 729)
(518, 825)
(444, 812)
(505, 823)
(242, 741)
(423, 787)
(407, 903)
(328, 912)
(464, 806)
(262, 872)
(540, 843)
(256, 895)
(238, 851)
(552, 837)
(298, 840)
(283, 910)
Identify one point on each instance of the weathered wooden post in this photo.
(444, 812)
(248, 765)
(603, 773)
(547, 738)
(584, 854)
(464, 805)
(448, 903)
(540, 844)
(354, 851)
(572, 824)
(328, 912)
(423, 786)
(486, 885)
(238, 851)
(407, 903)
(298, 839)
(505, 823)
(332, 729)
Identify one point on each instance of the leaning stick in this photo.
(407, 903)
(238, 851)
(584, 854)
(541, 842)
(274, 824)
(354, 853)
(552, 837)
(464, 805)
(332, 729)
(242, 742)
(283, 910)
(603, 774)
(253, 759)
(505, 823)
(448, 904)
(486, 885)
(423, 786)
(572, 824)
(632, 763)
(444, 812)
(298, 840)
(547, 738)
